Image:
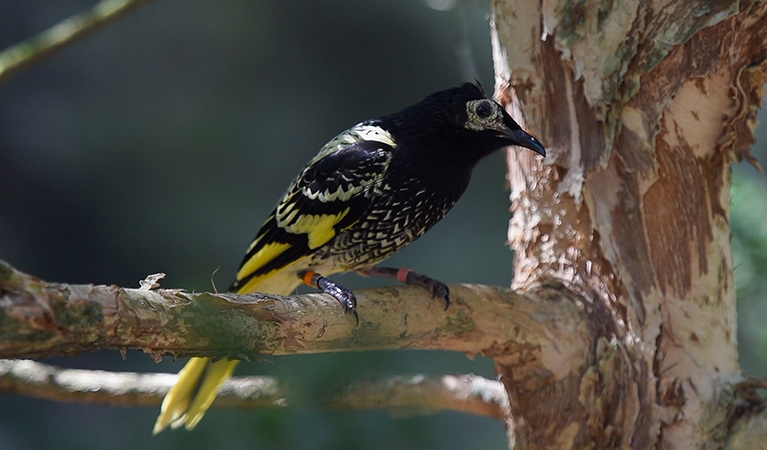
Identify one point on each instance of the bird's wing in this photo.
(330, 194)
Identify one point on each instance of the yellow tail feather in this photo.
(176, 401)
(217, 373)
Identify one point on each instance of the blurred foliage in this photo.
(161, 143)
(749, 248)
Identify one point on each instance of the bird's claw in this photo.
(437, 288)
(354, 311)
(440, 289)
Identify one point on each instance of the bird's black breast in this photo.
(407, 203)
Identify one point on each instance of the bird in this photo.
(370, 191)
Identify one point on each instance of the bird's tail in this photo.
(194, 392)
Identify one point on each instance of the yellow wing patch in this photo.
(318, 227)
(263, 256)
(282, 281)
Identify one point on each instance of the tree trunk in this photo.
(622, 330)
(643, 107)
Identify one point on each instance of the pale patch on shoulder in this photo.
(368, 132)
(363, 131)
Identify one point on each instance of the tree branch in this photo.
(464, 393)
(39, 319)
(62, 34)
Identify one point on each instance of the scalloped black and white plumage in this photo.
(370, 191)
(377, 187)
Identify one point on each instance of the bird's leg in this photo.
(407, 276)
(340, 293)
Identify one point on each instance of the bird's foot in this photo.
(407, 276)
(340, 293)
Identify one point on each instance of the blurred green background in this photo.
(160, 144)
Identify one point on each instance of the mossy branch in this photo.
(41, 319)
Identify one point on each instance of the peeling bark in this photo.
(644, 107)
(41, 319)
(620, 331)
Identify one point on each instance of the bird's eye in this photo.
(484, 110)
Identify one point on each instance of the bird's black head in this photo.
(464, 122)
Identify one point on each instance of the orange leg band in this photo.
(308, 278)
(402, 275)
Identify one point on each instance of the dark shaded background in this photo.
(160, 144)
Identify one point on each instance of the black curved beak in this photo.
(522, 138)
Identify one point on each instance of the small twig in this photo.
(64, 33)
(412, 395)
(465, 393)
(34, 379)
